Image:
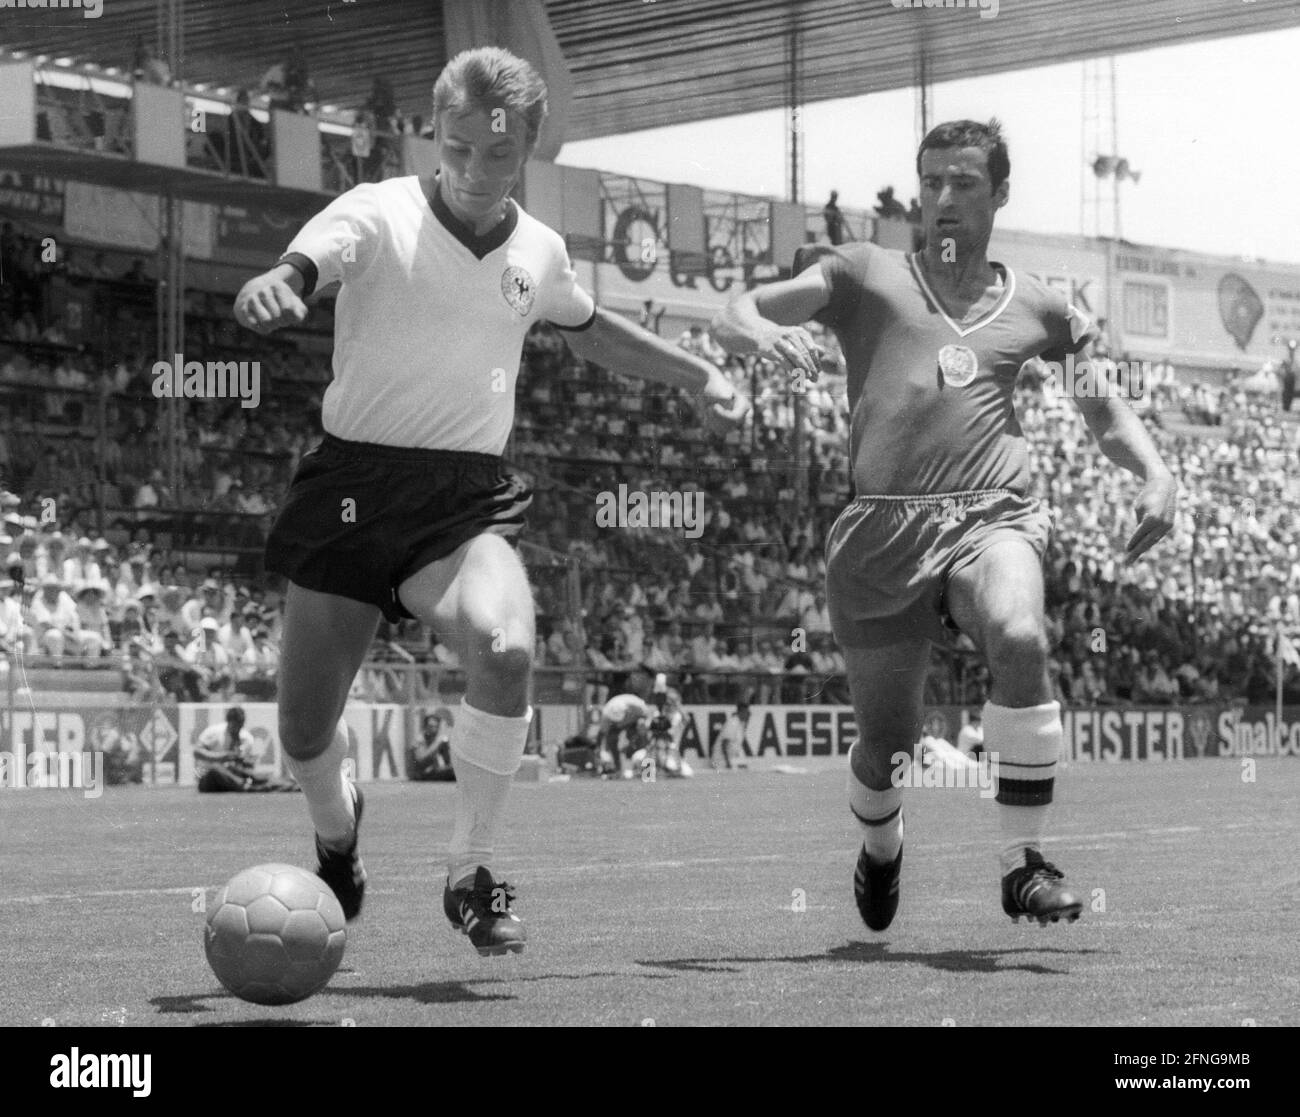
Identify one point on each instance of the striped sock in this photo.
(1023, 745)
(879, 815)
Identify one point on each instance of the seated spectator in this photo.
(96, 637)
(259, 667)
(223, 759)
(175, 672)
(15, 634)
(430, 757)
(210, 659)
(55, 620)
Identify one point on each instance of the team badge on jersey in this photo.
(519, 288)
(958, 365)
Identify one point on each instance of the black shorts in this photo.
(360, 518)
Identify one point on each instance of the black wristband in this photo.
(304, 266)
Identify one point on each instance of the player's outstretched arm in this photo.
(615, 343)
(768, 322)
(271, 300)
(1124, 440)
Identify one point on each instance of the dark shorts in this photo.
(360, 519)
(889, 558)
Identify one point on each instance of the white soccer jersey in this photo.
(623, 709)
(430, 319)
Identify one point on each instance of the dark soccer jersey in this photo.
(912, 429)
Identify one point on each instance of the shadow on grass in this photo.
(426, 993)
(952, 961)
(268, 1022)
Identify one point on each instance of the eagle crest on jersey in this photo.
(519, 288)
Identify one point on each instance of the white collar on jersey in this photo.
(1004, 300)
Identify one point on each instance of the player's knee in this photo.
(874, 756)
(1018, 646)
(504, 650)
(306, 731)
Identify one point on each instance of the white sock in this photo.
(486, 750)
(879, 815)
(328, 793)
(1023, 745)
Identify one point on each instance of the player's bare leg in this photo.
(479, 602)
(998, 601)
(887, 687)
(325, 641)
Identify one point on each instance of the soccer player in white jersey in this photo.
(623, 714)
(405, 509)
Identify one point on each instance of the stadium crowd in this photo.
(733, 606)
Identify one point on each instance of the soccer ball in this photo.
(275, 934)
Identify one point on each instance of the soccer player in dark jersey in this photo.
(941, 533)
(405, 508)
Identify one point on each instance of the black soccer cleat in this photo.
(875, 888)
(482, 911)
(344, 872)
(1038, 891)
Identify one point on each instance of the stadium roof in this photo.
(646, 63)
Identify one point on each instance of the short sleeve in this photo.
(564, 302)
(340, 240)
(1070, 329)
(844, 279)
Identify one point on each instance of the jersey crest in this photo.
(519, 288)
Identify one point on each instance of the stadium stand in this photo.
(122, 560)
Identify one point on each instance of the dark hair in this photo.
(971, 133)
(235, 712)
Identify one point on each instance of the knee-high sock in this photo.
(486, 750)
(879, 815)
(1023, 744)
(328, 794)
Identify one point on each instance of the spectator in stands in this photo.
(259, 666)
(175, 672)
(247, 146)
(131, 629)
(235, 635)
(54, 617)
(889, 207)
(834, 219)
(15, 635)
(798, 662)
(287, 84)
(650, 317)
(92, 617)
(816, 618)
(1286, 373)
(211, 660)
(147, 66)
